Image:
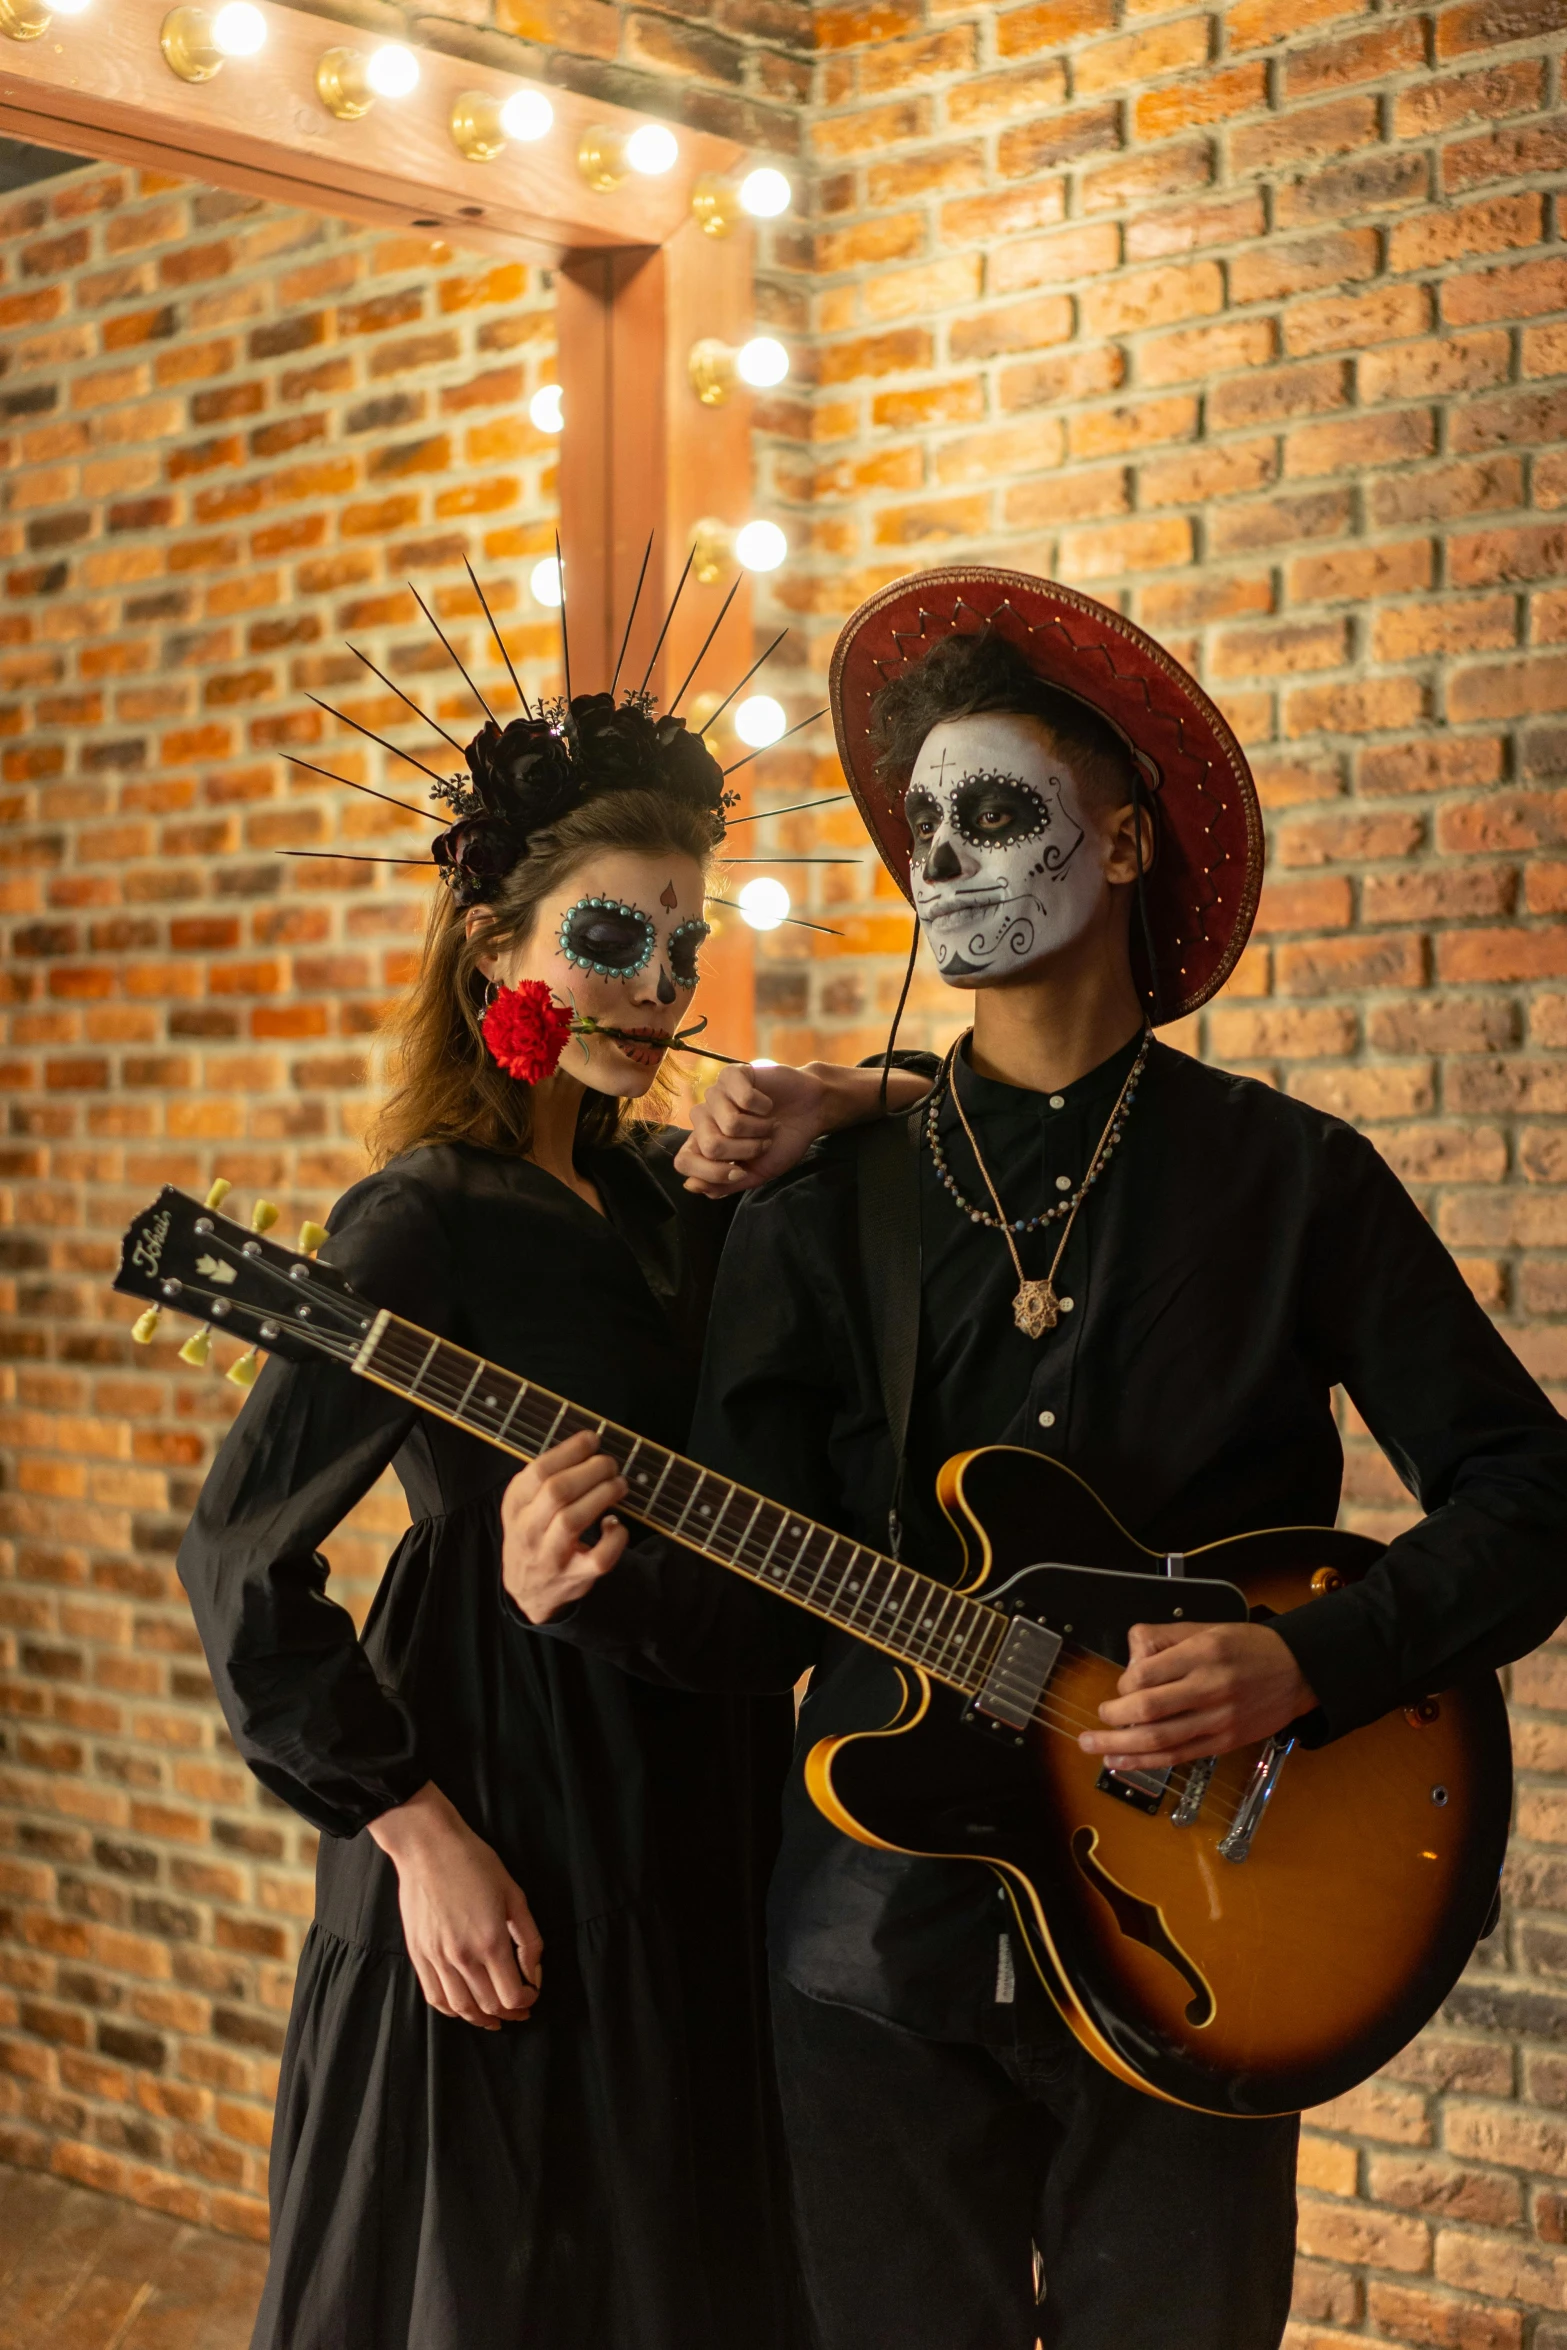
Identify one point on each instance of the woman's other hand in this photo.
(545, 1564)
(760, 1118)
(470, 1933)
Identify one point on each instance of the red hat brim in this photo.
(1207, 874)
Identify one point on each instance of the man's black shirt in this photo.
(1241, 1256)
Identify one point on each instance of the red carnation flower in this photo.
(526, 1031)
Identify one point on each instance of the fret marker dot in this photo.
(641, 1476)
(490, 1402)
(704, 1511)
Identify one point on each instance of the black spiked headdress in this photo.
(528, 774)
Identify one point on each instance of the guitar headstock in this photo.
(186, 1255)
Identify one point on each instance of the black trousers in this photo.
(934, 2181)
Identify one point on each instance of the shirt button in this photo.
(1058, 1101)
(1047, 1419)
(1063, 1183)
(1067, 1303)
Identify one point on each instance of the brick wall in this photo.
(231, 432)
(1261, 338)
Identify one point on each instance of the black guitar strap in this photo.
(887, 1175)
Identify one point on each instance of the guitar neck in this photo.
(891, 1607)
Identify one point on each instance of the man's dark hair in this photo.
(965, 675)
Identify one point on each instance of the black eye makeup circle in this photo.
(685, 944)
(922, 812)
(991, 808)
(602, 935)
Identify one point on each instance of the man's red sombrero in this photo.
(1207, 873)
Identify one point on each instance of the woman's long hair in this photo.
(447, 1088)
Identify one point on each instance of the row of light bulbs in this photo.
(198, 42)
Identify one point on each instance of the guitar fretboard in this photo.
(909, 1615)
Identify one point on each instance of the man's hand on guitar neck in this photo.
(545, 1564)
(1198, 1689)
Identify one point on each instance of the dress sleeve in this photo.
(300, 1695)
(763, 1417)
(1482, 1578)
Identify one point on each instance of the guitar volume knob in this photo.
(1326, 1579)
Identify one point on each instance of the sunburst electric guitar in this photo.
(1246, 1936)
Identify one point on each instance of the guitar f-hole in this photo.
(1140, 1922)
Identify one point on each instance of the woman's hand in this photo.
(1198, 1689)
(757, 1120)
(545, 1565)
(470, 1933)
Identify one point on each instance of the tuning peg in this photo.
(263, 1216)
(144, 1328)
(243, 1372)
(310, 1237)
(219, 1192)
(197, 1347)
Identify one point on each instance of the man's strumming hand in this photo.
(1198, 1689)
(545, 1564)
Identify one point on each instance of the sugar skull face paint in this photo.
(1005, 867)
(618, 941)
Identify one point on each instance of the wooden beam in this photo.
(97, 84)
(641, 453)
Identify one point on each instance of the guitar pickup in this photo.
(1016, 1681)
(1143, 1790)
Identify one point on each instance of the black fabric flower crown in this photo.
(527, 775)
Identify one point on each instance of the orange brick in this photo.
(1218, 96)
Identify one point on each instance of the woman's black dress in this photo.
(604, 2176)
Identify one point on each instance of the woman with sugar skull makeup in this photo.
(1154, 1273)
(525, 2091)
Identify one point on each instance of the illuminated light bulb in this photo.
(765, 193)
(760, 721)
(762, 362)
(652, 150)
(544, 409)
(760, 546)
(393, 71)
(544, 580)
(239, 30)
(764, 903)
(527, 114)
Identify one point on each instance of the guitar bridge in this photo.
(1016, 1681)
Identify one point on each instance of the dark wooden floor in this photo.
(80, 2271)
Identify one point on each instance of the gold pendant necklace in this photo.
(1037, 1308)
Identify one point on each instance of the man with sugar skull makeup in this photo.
(1154, 1273)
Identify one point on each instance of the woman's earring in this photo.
(491, 990)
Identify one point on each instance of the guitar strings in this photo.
(1051, 1712)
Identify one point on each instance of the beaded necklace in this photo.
(1036, 1307)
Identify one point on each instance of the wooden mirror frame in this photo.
(639, 281)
